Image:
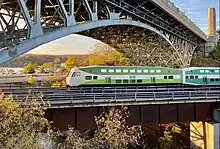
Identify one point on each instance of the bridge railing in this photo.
(85, 98)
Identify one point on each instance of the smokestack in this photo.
(211, 22)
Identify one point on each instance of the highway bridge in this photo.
(27, 24)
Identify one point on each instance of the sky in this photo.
(196, 10)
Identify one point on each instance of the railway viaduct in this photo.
(27, 24)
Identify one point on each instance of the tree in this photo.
(21, 125)
(103, 54)
(31, 80)
(111, 133)
(29, 68)
(112, 129)
(70, 63)
(48, 65)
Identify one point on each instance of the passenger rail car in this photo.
(201, 76)
(119, 75)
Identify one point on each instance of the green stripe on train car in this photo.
(145, 81)
(139, 70)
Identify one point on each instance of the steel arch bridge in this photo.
(27, 24)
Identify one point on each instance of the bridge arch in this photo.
(27, 45)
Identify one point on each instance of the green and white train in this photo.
(130, 75)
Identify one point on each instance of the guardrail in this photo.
(132, 98)
(119, 89)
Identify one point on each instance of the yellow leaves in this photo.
(112, 128)
(29, 68)
(20, 124)
(31, 80)
(70, 63)
(103, 54)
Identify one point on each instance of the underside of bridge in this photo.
(144, 27)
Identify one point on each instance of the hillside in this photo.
(40, 59)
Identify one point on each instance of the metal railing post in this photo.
(206, 95)
(115, 93)
(93, 97)
(189, 95)
(135, 96)
(172, 95)
(154, 96)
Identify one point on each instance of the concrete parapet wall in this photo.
(177, 14)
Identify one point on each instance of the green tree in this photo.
(21, 125)
(29, 68)
(70, 63)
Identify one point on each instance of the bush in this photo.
(21, 125)
(32, 80)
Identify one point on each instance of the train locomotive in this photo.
(135, 75)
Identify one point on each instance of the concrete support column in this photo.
(216, 136)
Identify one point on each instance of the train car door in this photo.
(132, 79)
(108, 80)
(153, 79)
(205, 80)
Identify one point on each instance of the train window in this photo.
(170, 77)
(152, 71)
(212, 71)
(212, 80)
(132, 71)
(74, 73)
(95, 77)
(125, 70)
(125, 81)
(118, 70)
(196, 77)
(165, 77)
(78, 74)
(202, 71)
(187, 77)
(217, 79)
(111, 70)
(139, 81)
(158, 71)
(207, 71)
(88, 77)
(191, 77)
(145, 71)
(139, 71)
(132, 81)
(103, 70)
(118, 81)
(216, 71)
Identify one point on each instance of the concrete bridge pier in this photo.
(204, 135)
(201, 135)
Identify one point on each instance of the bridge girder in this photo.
(26, 25)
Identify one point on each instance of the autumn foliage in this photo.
(103, 54)
(21, 124)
